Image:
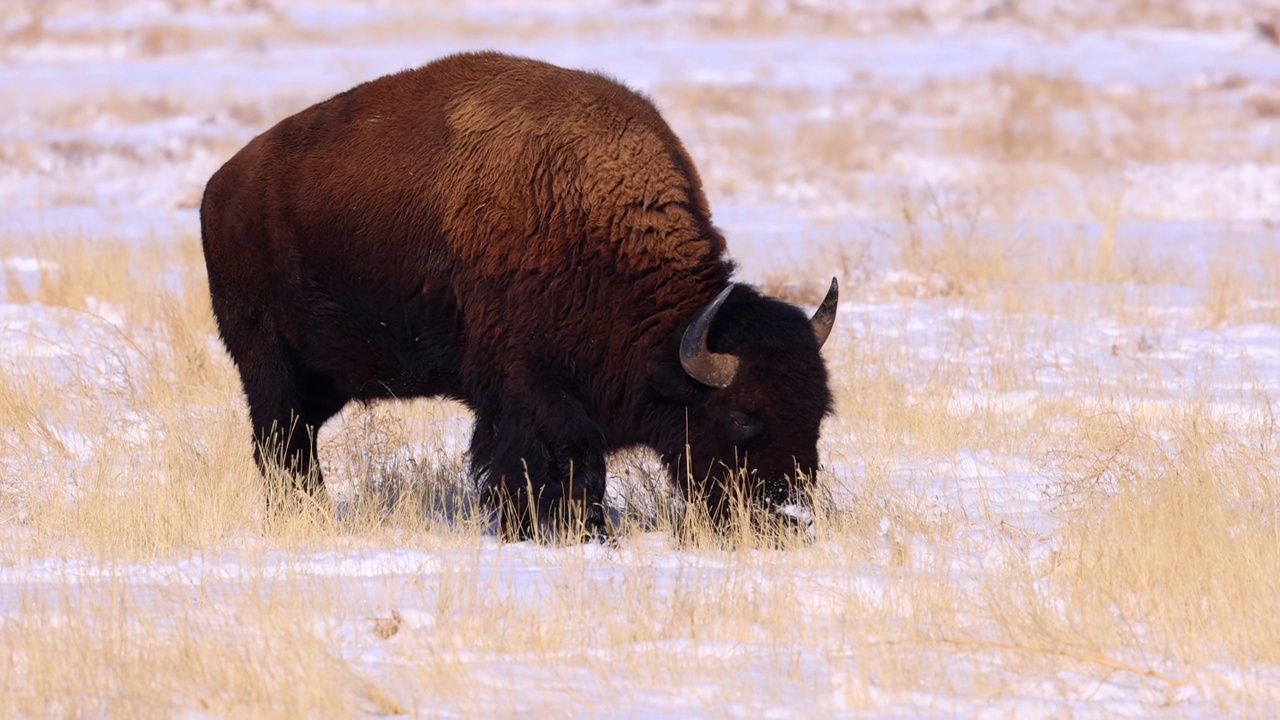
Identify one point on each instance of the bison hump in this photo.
(549, 156)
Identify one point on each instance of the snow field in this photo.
(1051, 482)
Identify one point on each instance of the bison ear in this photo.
(669, 380)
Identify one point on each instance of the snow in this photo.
(122, 172)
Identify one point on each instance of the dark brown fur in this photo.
(527, 239)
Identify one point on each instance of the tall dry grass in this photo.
(132, 496)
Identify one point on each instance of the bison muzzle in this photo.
(529, 240)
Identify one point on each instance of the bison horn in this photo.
(708, 368)
(825, 317)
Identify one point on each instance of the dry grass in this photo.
(1026, 146)
(1160, 568)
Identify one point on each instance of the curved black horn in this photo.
(825, 317)
(708, 368)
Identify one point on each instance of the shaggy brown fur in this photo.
(527, 239)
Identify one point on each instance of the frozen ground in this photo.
(117, 113)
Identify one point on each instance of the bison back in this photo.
(457, 219)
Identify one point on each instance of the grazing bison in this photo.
(529, 240)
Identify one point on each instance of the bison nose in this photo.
(786, 489)
(789, 504)
(796, 517)
(778, 491)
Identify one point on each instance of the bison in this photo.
(534, 242)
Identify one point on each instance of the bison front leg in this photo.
(547, 481)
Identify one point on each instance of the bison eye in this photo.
(743, 425)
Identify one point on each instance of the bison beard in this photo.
(529, 240)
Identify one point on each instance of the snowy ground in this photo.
(1057, 233)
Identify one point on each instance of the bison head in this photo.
(754, 391)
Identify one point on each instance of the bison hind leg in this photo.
(288, 402)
